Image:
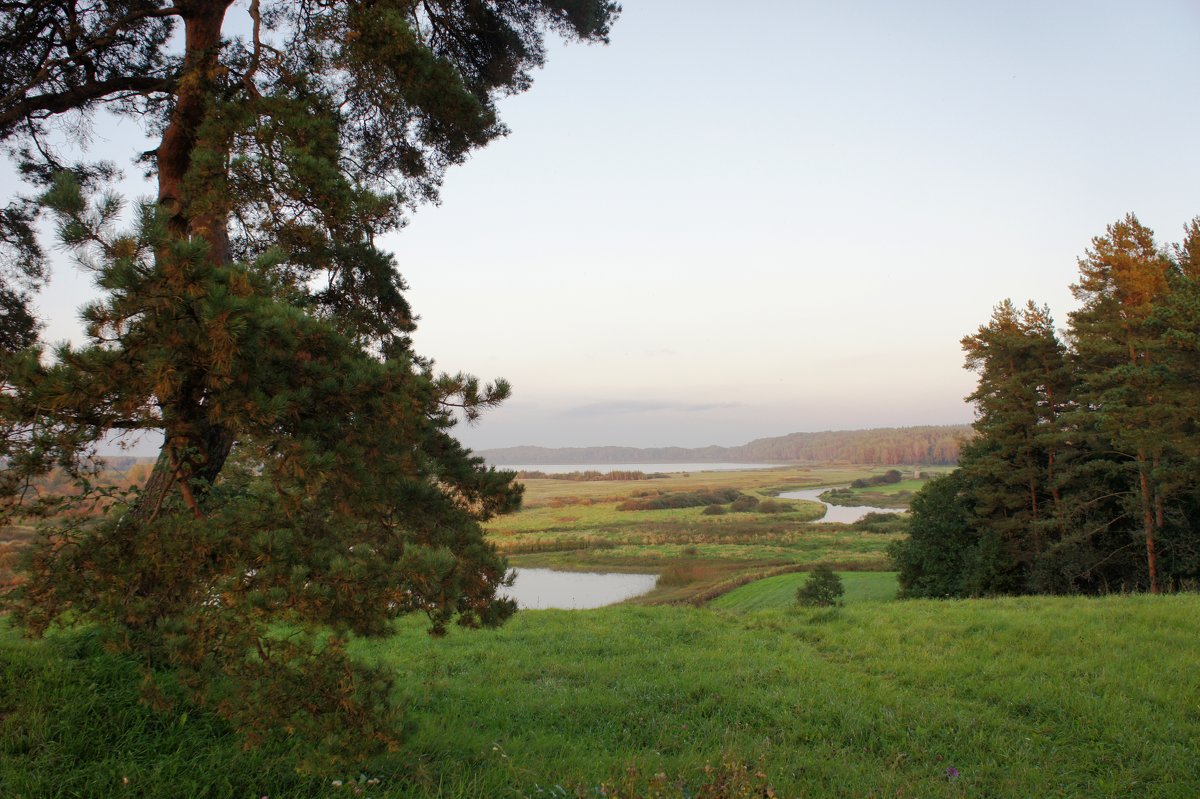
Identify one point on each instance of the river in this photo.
(846, 514)
(539, 589)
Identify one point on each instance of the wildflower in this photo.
(952, 773)
(336, 783)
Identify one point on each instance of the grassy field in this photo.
(780, 591)
(891, 495)
(723, 689)
(1033, 697)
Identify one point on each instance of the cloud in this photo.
(624, 407)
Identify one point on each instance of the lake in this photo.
(846, 514)
(648, 468)
(539, 589)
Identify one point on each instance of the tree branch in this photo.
(79, 96)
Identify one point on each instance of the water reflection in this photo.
(847, 514)
(538, 589)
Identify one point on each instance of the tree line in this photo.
(1084, 473)
(889, 446)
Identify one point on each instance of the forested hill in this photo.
(884, 446)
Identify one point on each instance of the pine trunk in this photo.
(1148, 521)
(194, 449)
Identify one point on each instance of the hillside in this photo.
(885, 446)
(1037, 696)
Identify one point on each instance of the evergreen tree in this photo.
(1085, 472)
(822, 589)
(943, 540)
(1024, 384)
(1121, 280)
(308, 481)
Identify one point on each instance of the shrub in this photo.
(744, 503)
(822, 589)
(882, 523)
(888, 477)
(683, 499)
(714, 510)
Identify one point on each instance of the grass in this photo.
(1046, 697)
(780, 591)
(571, 525)
(891, 495)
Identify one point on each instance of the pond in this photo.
(539, 589)
(847, 514)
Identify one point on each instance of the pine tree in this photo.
(1085, 453)
(1023, 390)
(308, 481)
(1121, 280)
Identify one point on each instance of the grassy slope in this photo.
(780, 591)
(1024, 697)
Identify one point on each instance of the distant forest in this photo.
(887, 446)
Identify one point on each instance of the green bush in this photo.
(744, 503)
(822, 589)
(681, 499)
(714, 510)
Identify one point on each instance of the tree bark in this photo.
(195, 448)
(1148, 521)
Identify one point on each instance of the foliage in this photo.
(823, 588)
(665, 500)
(876, 522)
(930, 445)
(589, 475)
(743, 503)
(887, 478)
(308, 488)
(1084, 475)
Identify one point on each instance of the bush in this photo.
(889, 477)
(714, 510)
(683, 499)
(822, 589)
(744, 503)
(882, 523)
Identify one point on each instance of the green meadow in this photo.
(1033, 697)
(780, 591)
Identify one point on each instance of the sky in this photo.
(746, 220)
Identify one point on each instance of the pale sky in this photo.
(744, 220)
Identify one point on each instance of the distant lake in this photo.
(648, 468)
(846, 514)
(539, 589)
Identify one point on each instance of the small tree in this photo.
(822, 589)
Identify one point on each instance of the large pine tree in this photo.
(308, 485)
